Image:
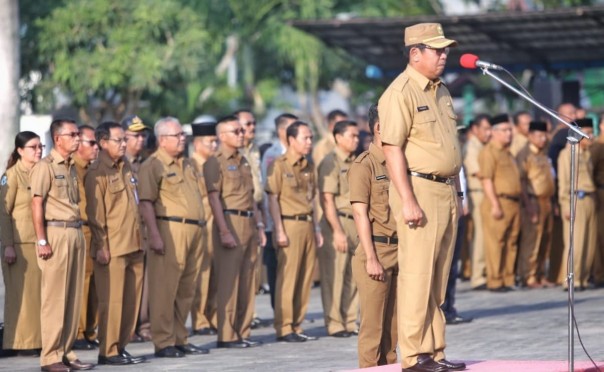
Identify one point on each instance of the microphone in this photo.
(471, 61)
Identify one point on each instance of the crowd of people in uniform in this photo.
(106, 243)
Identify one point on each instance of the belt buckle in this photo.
(449, 181)
(581, 194)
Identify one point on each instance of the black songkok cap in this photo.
(539, 126)
(585, 123)
(499, 119)
(203, 129)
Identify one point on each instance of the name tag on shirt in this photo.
(171, 175)
(382, 177)
(289, 175)
(232, 168)
(60, 177)
(422, 108)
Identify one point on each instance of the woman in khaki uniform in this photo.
(19, 265)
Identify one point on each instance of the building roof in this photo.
(568, 38)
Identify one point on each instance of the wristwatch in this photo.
(42, 242)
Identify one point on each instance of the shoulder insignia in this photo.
(4, 180)
(362, 156)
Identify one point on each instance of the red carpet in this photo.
(507, 366)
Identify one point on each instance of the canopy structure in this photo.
(560, 39)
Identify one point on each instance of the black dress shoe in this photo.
(133, 359)
(252, 343)
(82, 344)
(355, 332)
(169, 352)
(77, 365)
(292, 337)
(94, 342)
(481, 287)
(458, 320)
(499, 290)
(307, 337)
(232, 344)
(206, 331)
(341, 334)
(115, 360)
(452, 366)
(426, 364)
(191, 349)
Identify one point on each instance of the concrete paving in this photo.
(521, 325)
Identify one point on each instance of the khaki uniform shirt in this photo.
(172, 185)
(584, 171)
(470, 162)
(81, 166)
(597, 154)
(112, 207)
(417, 115)
(230, 175)
(135, 163)
(518, 142)
(55, 180)
(535, 170)
(16, 224)
(325, 145)
(370, 186)
(293, 181)
(333, 178)
(498, 164)
(252, 154)
(198, 162)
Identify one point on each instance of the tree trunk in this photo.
(9, 77)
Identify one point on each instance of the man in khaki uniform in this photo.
(375, 264)
(480, 134)
(112, 206)
(538, 187)
(88, 150)
(338, 290)
(423, 157)
(291, 188)
(61, 247)
(172, 206)
(203, 312)
(522, 120)
(597, 153)
(500, 208)
(238, 228)
(327, 144)
(585, 220)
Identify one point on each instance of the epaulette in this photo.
(399, 85)
(362, 156)
(94, 165)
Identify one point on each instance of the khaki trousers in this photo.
(22, 282)
(203, 312)
(295, 266)
(119, 285)
(585, 240)
(477, 244)
(89, 308)
(378, 334)
(598, 267)
(501, 243)
(62, 282)
(236, 279)
(535, 242)
(143, 325)
(424, 261)
(172, 282)
(338, 289)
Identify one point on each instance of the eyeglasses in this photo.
(438, 51)
(118, 140)
(35, 147)
(236, 132)
(250, 123)
(137, 135)
(71, 134)
(179, 134)
(91, 143)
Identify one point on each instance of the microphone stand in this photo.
(575, 135)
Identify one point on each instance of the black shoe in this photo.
(133, 359)
(426, 364)
(115, 360)
(292, 337)
(458, 320)
(499, 290)
(77, 365)
(452, 366)
(191, 349)
(206, 331)
(82, 344)
(95, 342)
(355, 332)
(481, 287)
(169, 352)
(307, 337)
(252, 343)
(341, 334)
(258, 323)
(232, 344)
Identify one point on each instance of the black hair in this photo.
(226, 119)
(284, 118)
(294, 129)
(373, 118)
(335, 113)
(57, 125)
(341, 126)
(517, 116)
(103, 131)
(20, 140)
(478, 119)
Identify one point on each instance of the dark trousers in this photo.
(269, 258)
(448, 305)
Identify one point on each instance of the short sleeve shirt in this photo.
(333, 178)
(81, 167)
(252, 154)
(470, 162)
(535, 169)
(172, 185)
(230, 175)
(55, 180)
(370, 186)
(498, 164)
(417, 115)
(16, 224)
(292, 179)
(585, 180)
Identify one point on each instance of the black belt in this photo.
(385, 239)
(85, 223)
(64, 224)
(509, 197)
(432, 177)
(342, 214)
(189, 221)
(298, 217)
(236, 212)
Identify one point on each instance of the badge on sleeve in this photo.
(4, 180)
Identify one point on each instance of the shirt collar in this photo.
(229, 154)
(378, 153)
(164, 157)
(343, 156)
(57, 158)
(106, 159)
(420, 79)
(294, 159)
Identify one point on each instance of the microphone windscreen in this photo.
(468, 60)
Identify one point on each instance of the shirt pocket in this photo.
(290, 181)
(424, 124)
(172, 183)
(379, 192)
(62, 187)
